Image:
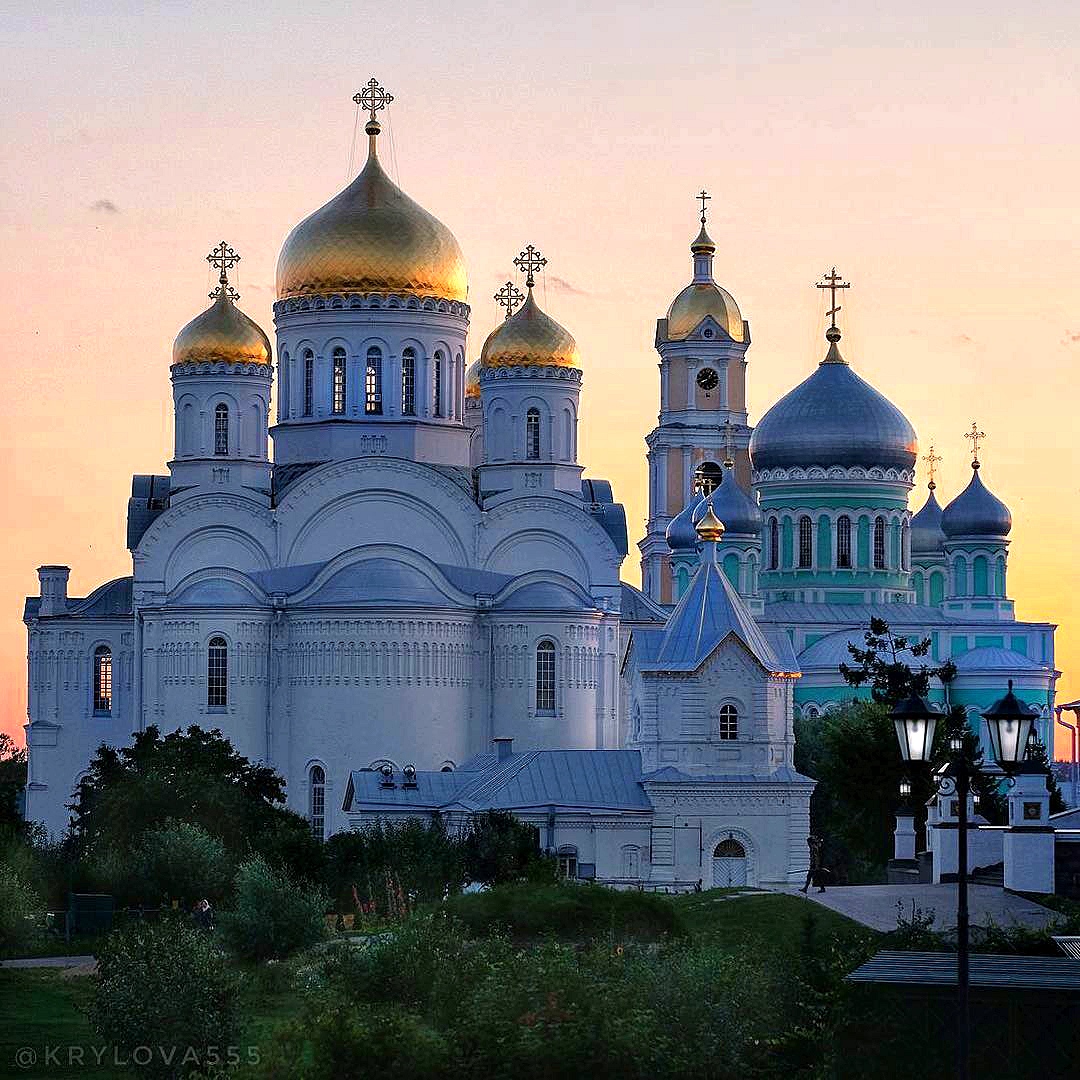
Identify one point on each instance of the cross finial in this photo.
(729, 450)
(372, 98)
(703, 197)
(833, 282)
(223, 259)
(932, 460)
(509, 296)
(528, 262)
(975, 435)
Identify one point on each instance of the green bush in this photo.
(273, 916)
(167, 988)
(21, 911)
(338, 1040)
(177, 861)
(580, 912)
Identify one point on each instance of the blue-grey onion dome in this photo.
(834, 418)
(681, 534)
(735, 506)
(927, 537)
(976, 511)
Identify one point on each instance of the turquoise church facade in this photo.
(821, 537)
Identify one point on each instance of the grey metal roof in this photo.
(710, 611)
(993, 659)
(635, 606)
(671, 775)
(898, 616)
(976, 511)
(833, 418)
(939, 969)
(585, 779)
(831, 651)
(109, 601)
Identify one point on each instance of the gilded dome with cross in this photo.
(372, 238)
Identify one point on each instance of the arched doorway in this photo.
(729, 864)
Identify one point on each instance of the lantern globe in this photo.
(915, 724)
(1009, 723)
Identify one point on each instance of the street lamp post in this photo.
(1009, 723)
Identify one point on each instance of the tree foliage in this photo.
(882, 666)
(12, 779)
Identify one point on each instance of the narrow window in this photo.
(221, 429)
(729, 722)
(545, 677)
(879, 543)
(568, 863)
(408, 382)
(338, 402)
(317, 801)
(437, 377)
(373, 383)
(843, 541)
(532, 434)
(309, 382)
(103, 679)
(806, 542)
(217, 673)
(774, 544)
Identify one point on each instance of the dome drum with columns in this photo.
(421, 576)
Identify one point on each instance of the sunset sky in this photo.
(928, 150)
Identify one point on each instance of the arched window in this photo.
(545, 676)
(217, 673)
(373, 383)
(408, 382)
(960, 576)
(879, 543)
(436, 384)
(103, 679)
(221, 429)
(309, 382)
(843, 541)
(806, 542)
(774, 544)
(567, 862)
(532, 434)
(709, 476)
(729, 722)
(338, 396)
(317, 801)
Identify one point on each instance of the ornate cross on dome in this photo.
(975, 435)
(729, 449)
(833, 281)
(704, 197)
(509, 296)
(372, 98)
(528, 262)
(932, 460)
(223, 259)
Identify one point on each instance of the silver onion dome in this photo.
(927, 536)
(976, 511)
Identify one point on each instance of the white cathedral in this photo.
(415, 607)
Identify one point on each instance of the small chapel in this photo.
(413, 605)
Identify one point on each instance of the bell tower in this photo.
(702, 342)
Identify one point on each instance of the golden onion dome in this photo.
(529, 338)
(695, 302)
(222, 334)
(472, 381)
(371, 238)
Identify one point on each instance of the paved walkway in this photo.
(49, 962)
(875, 905)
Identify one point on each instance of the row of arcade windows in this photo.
(843, 543)
(373, 373)
(217, 676)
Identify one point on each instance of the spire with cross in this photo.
(932, 461)
(703, 197)
(371, 99)
(974, 435)
(223, 258)
(509, 296)
(833, 282)
(528, 262)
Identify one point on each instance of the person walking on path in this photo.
(815, 872)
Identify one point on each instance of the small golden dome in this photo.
(472, 381)
(529, 338)
(698, 300)
(222, 334)
(710, 527)
(371, 238)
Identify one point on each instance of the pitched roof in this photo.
(709, 612)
